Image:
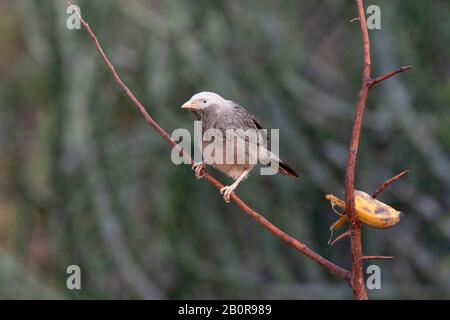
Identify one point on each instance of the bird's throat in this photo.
(199, 115)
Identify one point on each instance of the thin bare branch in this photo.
(379, 79)
(357, 282)
(387, 183)
(365, 258)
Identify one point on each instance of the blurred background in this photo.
(84, 180)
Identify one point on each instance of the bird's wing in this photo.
(247, 119)
(241, 119)
(246, 134)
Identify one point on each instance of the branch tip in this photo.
(379, 79)
(365, 258)
(388, 182)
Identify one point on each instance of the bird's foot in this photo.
(226, 191)
(198, 167)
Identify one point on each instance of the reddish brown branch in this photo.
(379, 79)
(388, 182)
(330, 266)
(365, 258)
(357, 281)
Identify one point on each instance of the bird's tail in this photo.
(269, 158)
(286, 170)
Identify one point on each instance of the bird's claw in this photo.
(198, 168)
(226, 191)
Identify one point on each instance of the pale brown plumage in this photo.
(219, 114)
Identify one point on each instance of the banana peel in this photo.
(369, 211)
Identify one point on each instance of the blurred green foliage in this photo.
(84, 180)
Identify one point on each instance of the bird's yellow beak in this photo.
(189, 105)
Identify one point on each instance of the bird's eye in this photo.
(204, 101)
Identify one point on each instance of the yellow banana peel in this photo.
(369, 211)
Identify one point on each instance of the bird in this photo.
(223, 116)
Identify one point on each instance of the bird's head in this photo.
(203, 101)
